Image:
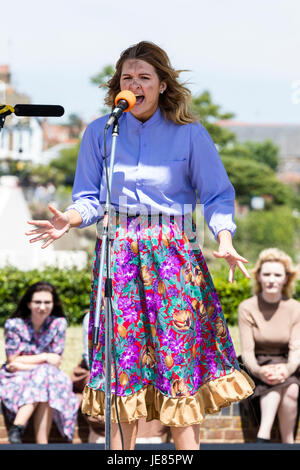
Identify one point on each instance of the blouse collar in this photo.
(134, 122)
(44, 326)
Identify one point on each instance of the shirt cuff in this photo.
(89, 214)
(231, 228)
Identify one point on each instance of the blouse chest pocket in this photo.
(174, 159)
(179, 159)
(168, 176)
(176, 167)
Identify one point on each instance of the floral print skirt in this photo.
(175, 359)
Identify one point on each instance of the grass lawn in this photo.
(74, 347)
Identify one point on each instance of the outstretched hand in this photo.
(233, 259)
(49, 230)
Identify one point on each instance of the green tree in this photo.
(209, 113)
(101, 80)
(262, 152)
(263, 229)
(265, 152)
(251, 178)
(65, 165)
(103, 76)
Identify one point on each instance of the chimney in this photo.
(5, 74)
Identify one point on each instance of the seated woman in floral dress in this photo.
(30, 380)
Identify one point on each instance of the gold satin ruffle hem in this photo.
(151, 404)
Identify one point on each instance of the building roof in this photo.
(4, 68)
(286, 136)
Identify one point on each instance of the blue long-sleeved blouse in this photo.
(159, 165)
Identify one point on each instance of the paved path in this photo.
(14, 244)
(14, 213)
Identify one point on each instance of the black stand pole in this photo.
(105, 258)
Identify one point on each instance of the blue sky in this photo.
(245, 53)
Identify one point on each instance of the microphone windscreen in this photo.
(128, 96)
(39, 110)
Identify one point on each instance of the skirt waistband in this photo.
(158, 216)
(183, 224)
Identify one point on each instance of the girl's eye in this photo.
(129, 78)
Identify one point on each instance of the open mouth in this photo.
(139, 99)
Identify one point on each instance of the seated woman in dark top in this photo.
(269, 324)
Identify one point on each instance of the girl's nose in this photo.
(135, 83)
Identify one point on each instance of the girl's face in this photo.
(141, 78)
(272, 277)
(41, 306)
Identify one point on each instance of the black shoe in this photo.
(15, 433)
(261, 440)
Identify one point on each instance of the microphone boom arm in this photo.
(28, 110)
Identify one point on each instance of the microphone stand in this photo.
(106, 253)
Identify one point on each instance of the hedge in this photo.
(73, 287)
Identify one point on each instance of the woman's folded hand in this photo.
(273, 374)
(16, 366)
(54, 359)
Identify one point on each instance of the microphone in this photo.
(124, 101)
(41, 110)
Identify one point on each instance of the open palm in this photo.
(49, 230)
(234, 260)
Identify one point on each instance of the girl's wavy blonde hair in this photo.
(175, 101)
(274, 254)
